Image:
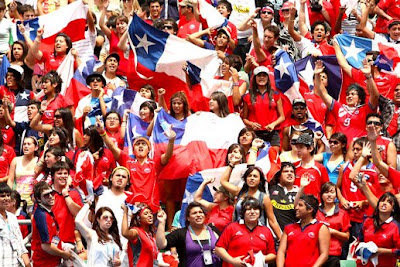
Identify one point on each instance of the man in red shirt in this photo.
(46, 244)
(67, 203)
(308, 167)
(187, 24)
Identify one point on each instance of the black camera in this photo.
(315, 6)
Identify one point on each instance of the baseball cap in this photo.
(114, 55)
(304, 139)
(225, 192)
(96, 74)
(299, 101)
(260, 69)
(224, 30)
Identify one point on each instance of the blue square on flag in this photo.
(31, 26)
(149, 42)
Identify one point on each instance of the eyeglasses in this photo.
(95, 79)
(112, 119)
(107, 218)
(267, 12)
(376, 123)
(167, 27)
(49, 194)
(299, 107)
(333, 142)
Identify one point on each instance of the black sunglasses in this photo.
(266, 12)
(333, 142)
(299, 107)
(47, 195)
(376, 123)
(93, 79)
(168, 27)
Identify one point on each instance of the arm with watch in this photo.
(368, 70)
(39, 127)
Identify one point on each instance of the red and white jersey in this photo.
(317, 174)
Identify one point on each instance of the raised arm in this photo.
(130, 234)
(376, 156)
(319, 88)
(245, 25)
(161, 241)
(37, 126)
(72, 206)
(365, 6)
(102, 21)
(233, 161)
(338, 23)
(34, 51)
(7, 116)
(170, 147)
(260, 54)
(371, 86)
(341, 59)
(81, 225)
(195, 38)
(198, 196)
(238, 90)
(110, 144)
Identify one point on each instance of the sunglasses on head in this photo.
(376, 123)
(49, 194)
(95, 79)
(167, 27)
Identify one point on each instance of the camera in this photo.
(315, 6)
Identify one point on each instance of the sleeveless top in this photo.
(333, 171)
(238, 208)
(194, 255)
(143, 250)
(24, 177)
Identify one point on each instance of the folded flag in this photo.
(201, 141)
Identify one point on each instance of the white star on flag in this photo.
(308, 73)
(28, 28)
(352, 51)
(282, 67)
(143, 42)
(120, 99)
(189, 197)
(24, 95)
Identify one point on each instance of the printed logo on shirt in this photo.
(192, 27)
(2, 158)
(311, 235)
(133, 169)
(342, 112)
(239, 233)
(291, 233)
(105, 159)
(262, 236)
(147, 170)
(323, 105)
(384, 236)
(275, 193)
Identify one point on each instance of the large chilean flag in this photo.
(202, 141)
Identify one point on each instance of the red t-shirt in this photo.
(6, 159)
(143, 249)
(317, 174)
(392, 8)
(51, 62)
(116, 138)
(385, 82)
(351, 120)
(394, 178)
(58, 102)
(8, 136)
(188, 28)
(387, 236)
(143, 178)
(263, 111)
(318, 109)
(64, 217)
(302, 244)
(220, 218)
(237, 239)
(339, 221)
(123, 62)
(44, 228)
(352, 193)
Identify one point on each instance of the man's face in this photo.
(155, 10)
(394, 32)
(299, 111)
(319, 34)
(29, 15)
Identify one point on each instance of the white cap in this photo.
(16, 68)
(260, 69)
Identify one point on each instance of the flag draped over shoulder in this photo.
(194, 181)
(70, 19)
(135, 127)
(201, 142)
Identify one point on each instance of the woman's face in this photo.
(112, 121)
(54, 139)
(86, 139)
(18, 51)
(48, 87)
(29, 147)
(287, 176)
(60, 45)
(196, 216)
(253, 179)
(251, 215)
(50, 159)
(262, 79)
(177, 106)
(145, 114)
(235, 155)
(225, 67)
(329, 196)
(214, 107)
(246, 139)
(58, 121)
(336, 146)
(266, 15)
(385, 206)
(219, 197)
(146, 217)
(106, 220)
(121, 26)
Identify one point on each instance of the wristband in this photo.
(253, 148)
(66, 196)
(103, 134)
(231, 165)
(235, 83)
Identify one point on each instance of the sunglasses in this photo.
(333, 142)
(49, 194)
(57, 116)
(95, 79)
(167, 27)
(376, 123)
(299, 107)
(107, 218)
(267, 12)
(285, 10)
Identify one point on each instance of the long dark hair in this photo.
(181, 96)
(24, 49)
(54, 78)
(325, 188)
(67, 41)
(233, 147)
(96, 143)
(113, 231)
(396, 209)
(261, 186)
(68, 123)
(135, 222)
(63, 136)
(222, 101)
(253, 91)
(342, 139)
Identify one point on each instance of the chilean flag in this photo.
(83, 179)
(201, 141)
(135, 127)
(125, 98)
(264, 161)
(70, 19)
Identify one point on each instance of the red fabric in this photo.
(65, 219)
(220, 218)
(23, 227)
(392, 127)
(237, 239)
(317, 16)
(51, 62)
(297, 253)
(383, 143)
(58, 102)
(116, 138)
(392, 8)
(385, 82)
(262, 111)
(351, 192)
(5, 160)
(123, 63)
(387, 236)
(188, 28)
(146, 249)
(339, 221)
(318, 109)
(394, 177)
(8, 136)
(317, 174)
